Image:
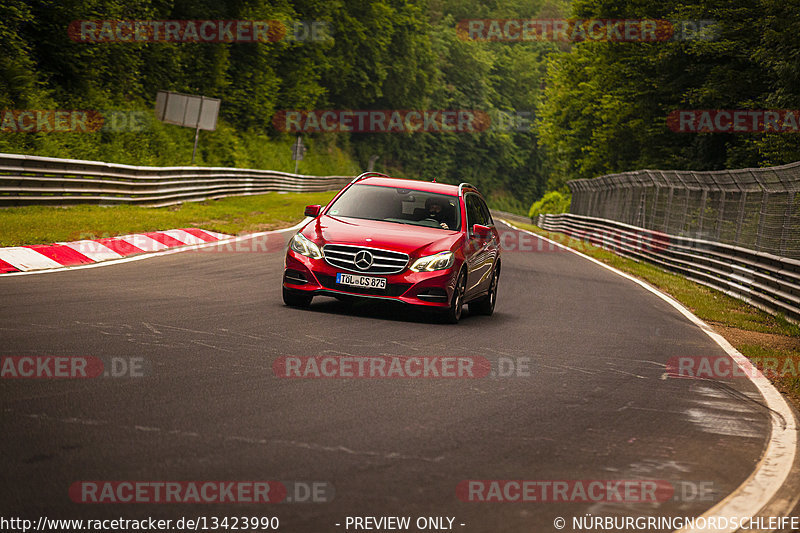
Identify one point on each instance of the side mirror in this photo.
(481, 231)
(313, 210)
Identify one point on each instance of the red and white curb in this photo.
(85, 252)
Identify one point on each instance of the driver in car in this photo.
(436, 208)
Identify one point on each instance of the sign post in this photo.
(190, 111)
(298, 151)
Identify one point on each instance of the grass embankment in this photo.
(756, 334)
(235, 215)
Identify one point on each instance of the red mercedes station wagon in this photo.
(426, 244)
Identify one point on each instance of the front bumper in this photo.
(428, 289)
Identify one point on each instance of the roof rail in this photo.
(465, 184)
(367, 175)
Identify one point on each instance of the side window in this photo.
(474, 212)
(487, 216)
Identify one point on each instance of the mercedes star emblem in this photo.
(363, 260)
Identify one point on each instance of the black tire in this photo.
(296, 298)
(485, 306)
(453, 313)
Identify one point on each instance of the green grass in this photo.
(784, 360)
(236, 215)
(159, 144)
(710, 305)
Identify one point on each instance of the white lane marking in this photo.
(183, 236)
(159, 254)
(773, 469)
(26, 258)
(143, 242)
(93, 250)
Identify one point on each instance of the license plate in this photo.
(366, 282)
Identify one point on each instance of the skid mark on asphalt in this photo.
(717, 389)
(671, 471)
(719, 412)
(343, 449)
(220, 348)
(321, 339)
(654, 363)
(651, 409)
(387, 455)
(221, 332)
(575, 368)
(152, 328)
(717, 404)
(502, 352)
(623, 372)
(722, 413)
(596, 371)
(339, 352)
(405, 345)
(150, 334)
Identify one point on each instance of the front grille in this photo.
(383, 261)
(392, 289)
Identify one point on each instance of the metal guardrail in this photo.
(767, 281)
(27, 180)
(757, 208)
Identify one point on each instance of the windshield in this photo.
(401, 206)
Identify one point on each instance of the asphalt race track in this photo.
(595, 403)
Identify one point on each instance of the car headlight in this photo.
(304, 246)
(429, 263)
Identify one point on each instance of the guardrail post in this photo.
(762, 215)
(701, 216)
(668, 210)
(685, 203)
(787, 217)
(656, 193)
(740, 221)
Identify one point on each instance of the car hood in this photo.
(412, 240)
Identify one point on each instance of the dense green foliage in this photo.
(551, 202)
(384, 54)
(606, 104)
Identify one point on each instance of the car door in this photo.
(480, 250)
(492, 243)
